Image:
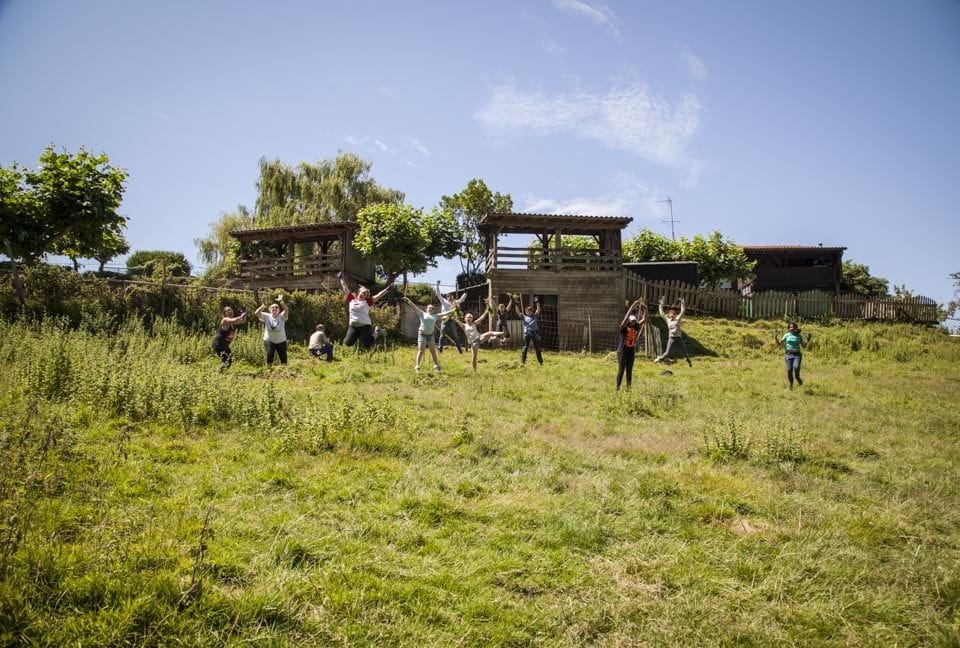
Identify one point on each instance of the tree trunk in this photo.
(16, 275)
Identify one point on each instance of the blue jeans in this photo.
(326, 348)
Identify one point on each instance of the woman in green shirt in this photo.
(793, 343)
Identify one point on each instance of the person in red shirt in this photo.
(630, 329)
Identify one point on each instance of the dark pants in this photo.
(527, 339)
(364, 333)
(225, 355)
(625, 358)
(278, 348)
(793, 361)
(326, 348)
(453, 336)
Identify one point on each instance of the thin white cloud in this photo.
(629, 118)
(626, 197)
(551, 47)
(696, 67)
(596, 12)
(418, 146)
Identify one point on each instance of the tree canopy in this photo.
(330, 190)
(220, 251)
(402, 240)
(153, 263)
(858, 280)
(68, 206)
(467, 208)
(717, 257)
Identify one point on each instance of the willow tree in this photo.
(220, 251)
(330, 190)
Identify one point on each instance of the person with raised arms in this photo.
(674, 334)
(502, 312)
(274, 329)
(450, 303)
(630, 328)
(226, 331)
(360, 326)
(793, 344)
(531, 330)
(474, 337)
(425, 334)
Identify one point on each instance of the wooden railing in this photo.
(564, 259)
(809, 305)
(283, 267)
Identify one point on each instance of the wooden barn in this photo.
(581, 290)
(794, 268)
(302, 257)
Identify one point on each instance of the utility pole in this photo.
(673, 234)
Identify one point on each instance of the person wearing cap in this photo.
(274, 329)
(630, 328)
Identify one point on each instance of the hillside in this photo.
(150, 500)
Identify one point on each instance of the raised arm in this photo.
(380, 295)
(481, 318)
(626, 316)
(518, 307)
(415, 307)
(229, 321)
(343, 283)
(680, 314)
(259, 309)
(660, 307)
(537, 309)
(284, 312)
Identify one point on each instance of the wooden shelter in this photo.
(302, 257)
(581, 290)
(795, 268)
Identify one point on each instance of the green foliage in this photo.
(857, 279)
(467, 208)
(330, 190)
(220, 251)
(69, 206)
(153, 263)
(717, 258)
(397, 238)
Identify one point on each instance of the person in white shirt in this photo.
(274, 330)
(358, 307)
(674, 334)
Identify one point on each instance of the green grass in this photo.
(148, 499)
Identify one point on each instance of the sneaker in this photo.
(657, 359)
(436, 368)
(416, 370)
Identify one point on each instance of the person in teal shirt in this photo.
(793, 344)
(425, 335)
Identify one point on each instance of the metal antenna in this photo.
(673, 234)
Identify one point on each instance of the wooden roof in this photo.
(519, 223)
(791, 249)
(303, 233)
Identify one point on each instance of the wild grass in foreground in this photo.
(148, 499)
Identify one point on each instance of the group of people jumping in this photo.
(432, 331)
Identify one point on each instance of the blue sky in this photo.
(774, 122)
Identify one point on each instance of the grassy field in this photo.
(148, 499)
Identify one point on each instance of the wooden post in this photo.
(163, 286)
(589, 335)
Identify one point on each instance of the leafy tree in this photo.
(467, 208)
(858, 280)
(68, 206)
(717, 258)
(402, 240)
(647, 245)
(153, 263)
(220, 251)
(111, 247)
(330, 190)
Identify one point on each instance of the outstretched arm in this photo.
(380, 295)
(680, 315)
(284, 312)
(660, 307)
(777, 338)
(259, 310)
(626, 316)
(481, 318)
(415, 307)
(343, 283)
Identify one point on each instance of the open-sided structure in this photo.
(795, 268)
(301, 257)
(580, 289)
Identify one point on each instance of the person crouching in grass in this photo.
(320, 344)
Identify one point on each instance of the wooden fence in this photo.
(808, 305)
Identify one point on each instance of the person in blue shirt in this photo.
(793, 344)
(531, 331)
